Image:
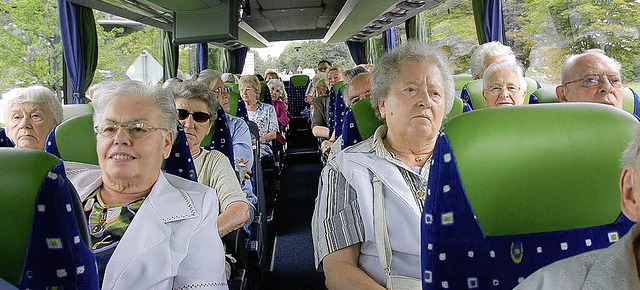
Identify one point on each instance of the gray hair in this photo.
(489, 49)
(191, 89)
(570, 61)
(388, 67)
(278, 83)
(147, 91)
(503, 66)
(352, 73)
(632, 152)
(91, 91)
(250, 81)
(229, 78)
(33, 94)
(209, 77)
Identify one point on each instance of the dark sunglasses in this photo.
(200, 117)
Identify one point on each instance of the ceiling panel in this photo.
(284, 4)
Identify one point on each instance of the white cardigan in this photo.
(172, 242)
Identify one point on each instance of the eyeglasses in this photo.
(221, 90)
(200, 117)
(497, 90)
(135, 129)
(592, 80)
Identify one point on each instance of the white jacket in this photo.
(402, 212)
(172, 242)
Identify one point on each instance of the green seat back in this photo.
(555, 175)
(235, 88)
(20, 180)
(456, 110)
(263, 90)
(475, 92)
(628, 103)
(76, 140)
(546, 94)
(299, 80)
(337, 86)
(71, 110)
(234, 98)
(365, 118)
(461, 80)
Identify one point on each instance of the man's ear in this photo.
(629, 202)
(168, 143)
(560, 93)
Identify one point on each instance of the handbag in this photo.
(394, 282)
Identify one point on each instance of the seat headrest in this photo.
(541, 168)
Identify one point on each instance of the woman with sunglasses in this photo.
(148, 229)
(197, 108)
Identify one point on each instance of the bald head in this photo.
(359, 88)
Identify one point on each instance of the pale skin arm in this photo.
(342, 272)
(233, 217)
(268, 137)
(320, 131)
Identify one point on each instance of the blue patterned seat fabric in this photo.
(296, 92)
(4, 140)
(56, 256)
(221, 137)
(339, 112)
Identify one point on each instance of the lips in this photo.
(121, 156)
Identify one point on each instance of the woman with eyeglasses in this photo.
(148, 229)
(197, 108)
(264, 115)
(504, 85)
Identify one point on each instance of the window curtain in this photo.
(493, 26)
(238, 55)
(79, 46)
(371, 50)
(356, 49)
(202, 52)
(488, 19)
(390, 41)
(170, 55)
(413, 27)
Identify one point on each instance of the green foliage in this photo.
(310, 52)
(261, 65)
(30, 50)
(452, 23)
(118, 50)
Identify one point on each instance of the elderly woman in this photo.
(503, 84)
(30, 115)
(279, 97)
(240, 135)
(148, 229)
(197, 108)
(264, 115)
(412, 91)
(320, 117)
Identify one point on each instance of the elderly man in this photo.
(614, 267)
(591, 77)
(323, 66)
(359, 88)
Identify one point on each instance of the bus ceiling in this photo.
(256, 23)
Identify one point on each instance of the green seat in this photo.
(235, 88)
(71, 110)
(456, 110)
(365, 118)
(461, 80)
(76, 140)
(234, 98)
(20, 183)
(628, 103)
(554, 176)
(546, 94)
(299, 80)
(475, 92)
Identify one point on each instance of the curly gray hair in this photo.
(389, 67)
(33, 94)
(489, 49)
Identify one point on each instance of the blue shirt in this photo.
(242, 150)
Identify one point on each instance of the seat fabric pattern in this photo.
(4, 140)
(179, 162)
(339, 111)
(219, 138)
(296, 91)
(56, 256)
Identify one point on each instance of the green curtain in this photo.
(170, 55)
(372, 49)
(89, 43)
(478, 17)
(413, 27)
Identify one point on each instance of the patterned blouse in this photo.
(267, 120)
(107, 225)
